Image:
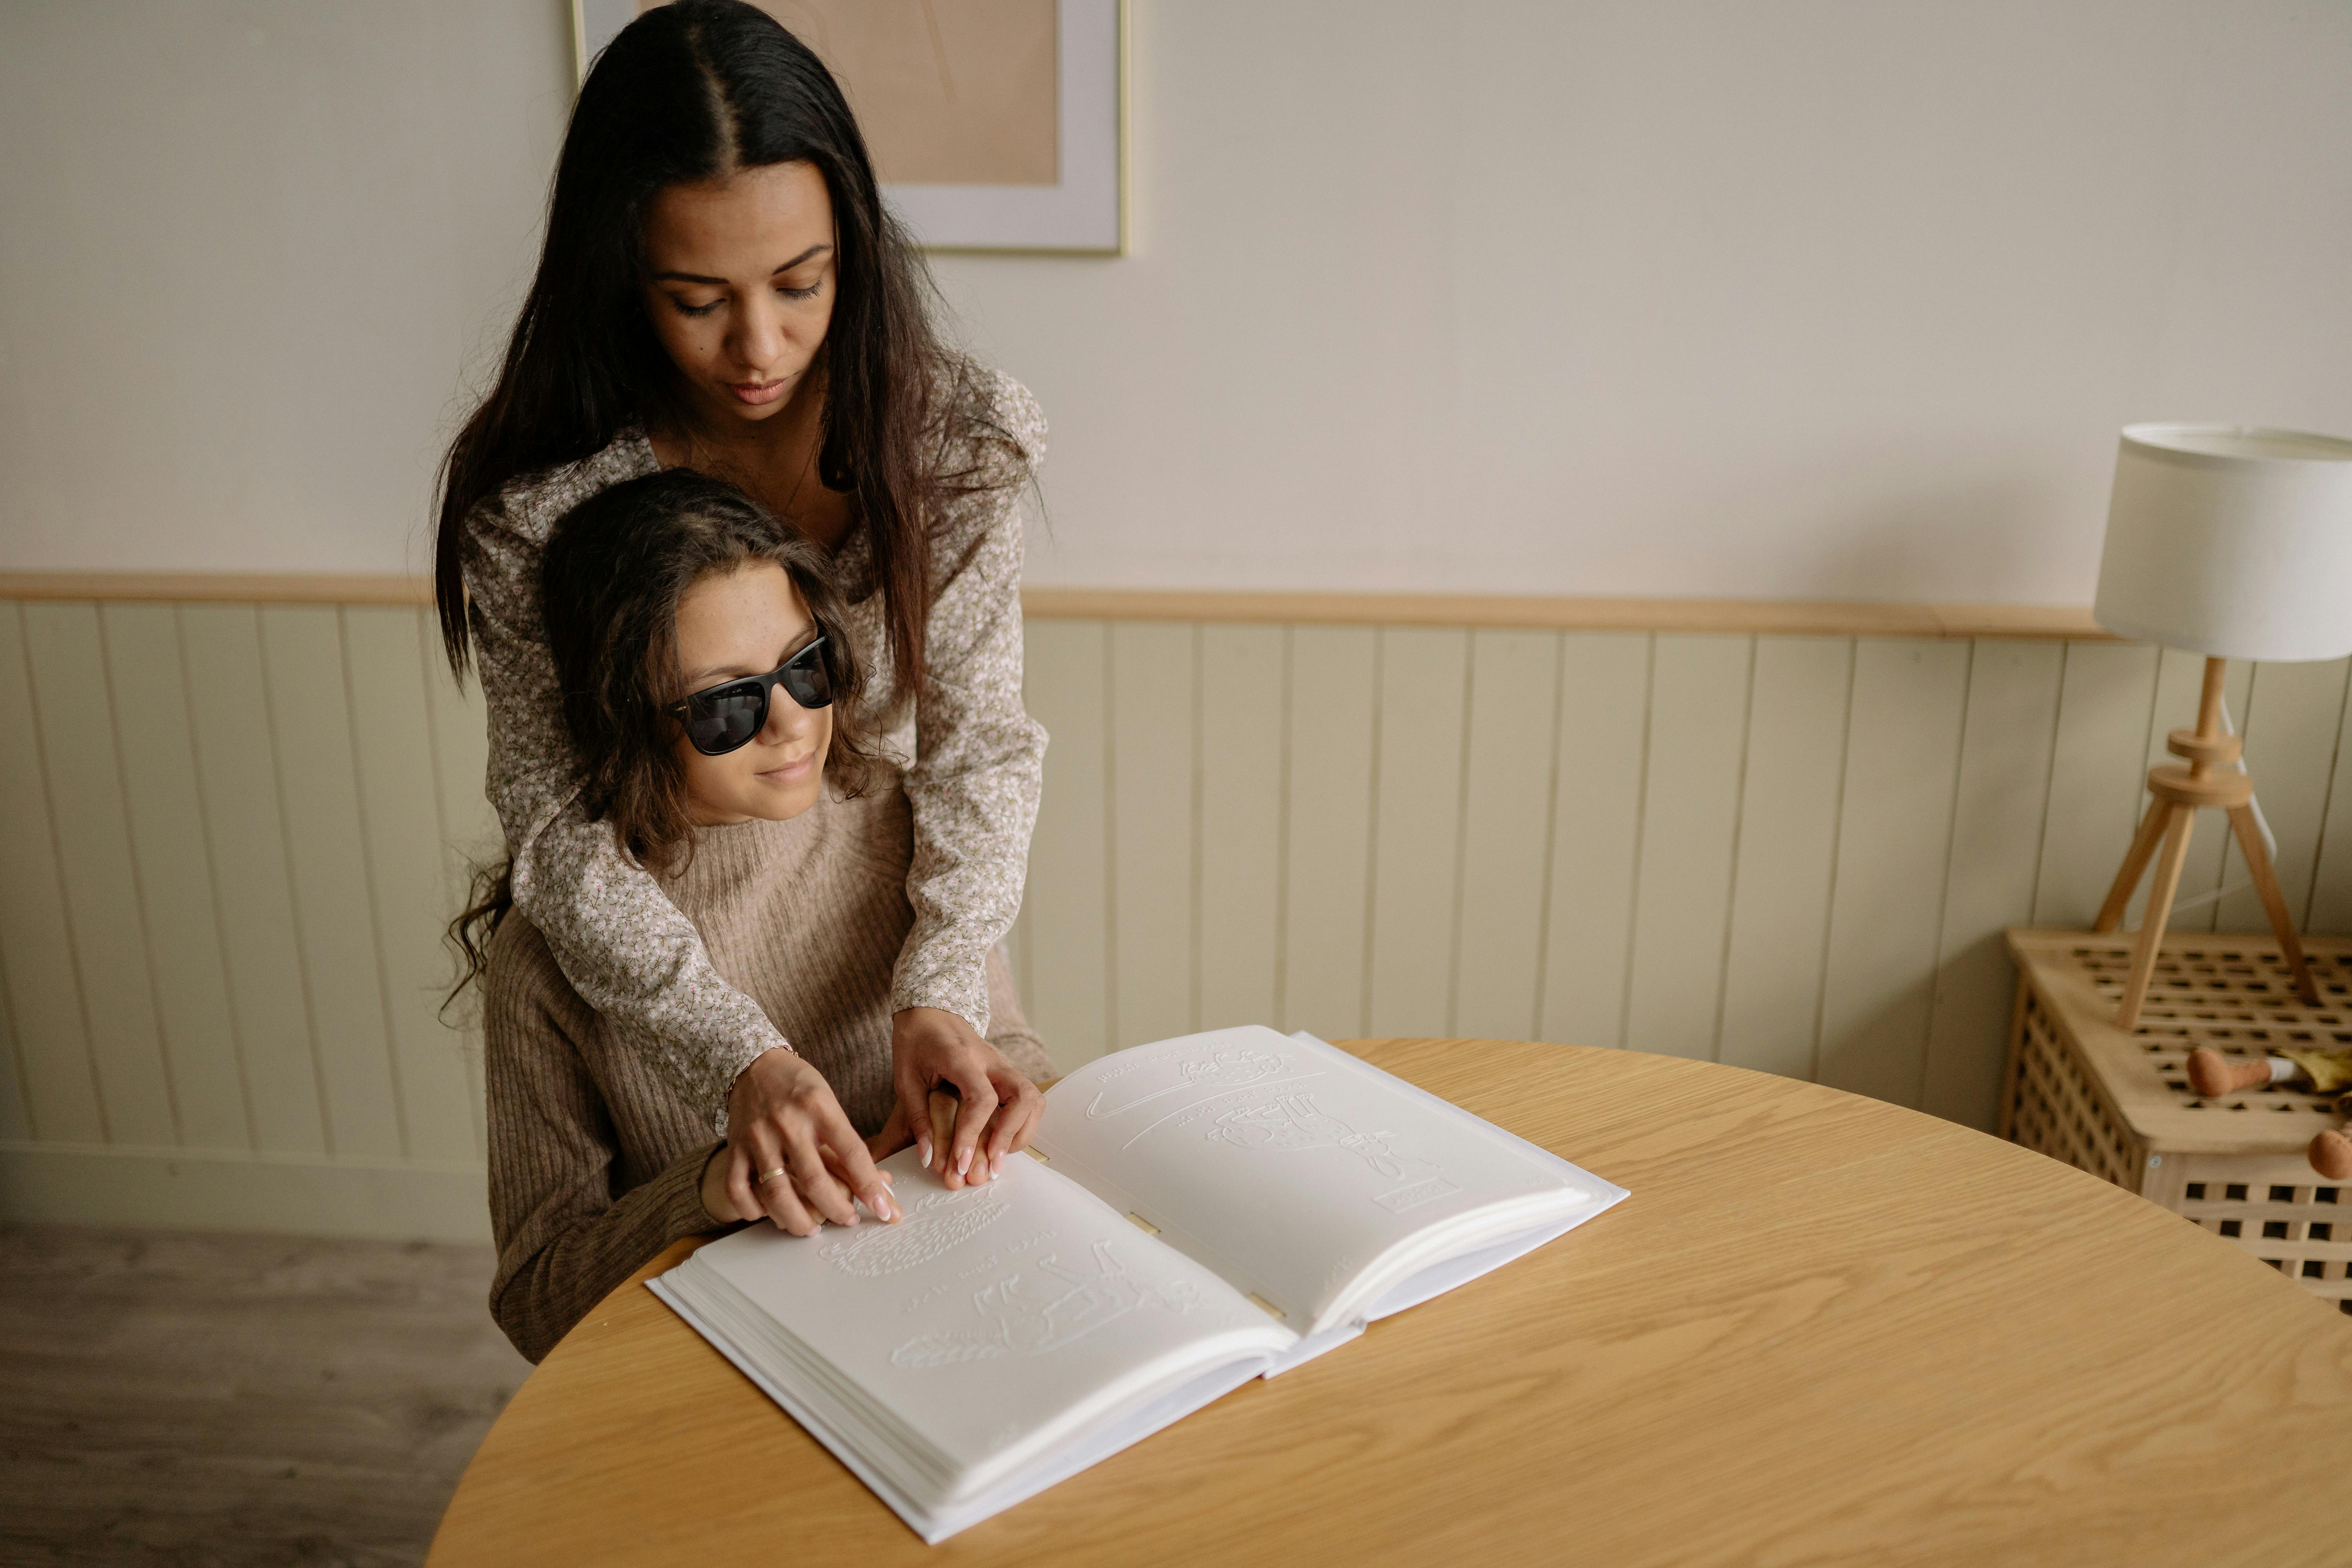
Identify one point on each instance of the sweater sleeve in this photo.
(979, 757)
(565, 1242)
(623, 945)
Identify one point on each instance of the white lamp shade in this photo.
(2231, 542)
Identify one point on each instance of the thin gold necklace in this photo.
(797, 483)
(694, 453)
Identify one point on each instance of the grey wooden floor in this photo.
(170, 1398)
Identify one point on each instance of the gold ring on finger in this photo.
(771, 1176)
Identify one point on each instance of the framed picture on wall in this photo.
(993, 124)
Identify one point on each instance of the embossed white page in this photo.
(1292, 1168)
(987, 1326)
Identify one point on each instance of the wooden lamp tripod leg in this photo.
(2179, 792)
(2179, 819)
(2143, 850)
(2266, 883)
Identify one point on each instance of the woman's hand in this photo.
(960, 1103)
(791, 1155)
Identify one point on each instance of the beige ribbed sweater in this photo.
(596, 1156)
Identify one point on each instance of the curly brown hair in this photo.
(615, 570)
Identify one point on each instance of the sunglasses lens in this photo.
(721, 722)
(806, 677)
(725, 717)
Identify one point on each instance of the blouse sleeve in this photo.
(623, 945)
(979, 757)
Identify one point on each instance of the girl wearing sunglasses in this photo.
(719, 709)
(721, 289)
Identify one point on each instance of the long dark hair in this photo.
(615, 569)
(688, 92)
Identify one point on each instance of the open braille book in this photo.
(1200, 1212)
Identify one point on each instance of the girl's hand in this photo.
(963, 1106)
(784, 1125)
(715, 1200)
(720, 1206)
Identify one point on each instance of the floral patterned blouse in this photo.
(973, 759)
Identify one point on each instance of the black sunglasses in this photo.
(722, 719)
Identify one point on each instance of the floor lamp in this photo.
(2236, 543)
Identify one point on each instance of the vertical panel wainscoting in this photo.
(1789, 852)
(230, 835)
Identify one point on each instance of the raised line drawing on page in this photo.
(1288, 1123)
(1039, 1311)
(1185, 1114)
(932, 1226)
(1404, 1199)
(1226, 1066)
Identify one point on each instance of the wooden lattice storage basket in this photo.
(2119, 1106)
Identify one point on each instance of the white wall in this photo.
(1840, 299)
(1835, 298)
(246, 249)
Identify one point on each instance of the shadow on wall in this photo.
(1961, 1011)
(1882, 521)
(1899, 547)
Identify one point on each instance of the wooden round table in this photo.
(1823, 1328)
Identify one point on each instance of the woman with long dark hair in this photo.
(721, 289)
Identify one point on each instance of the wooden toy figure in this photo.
(2212, 1075)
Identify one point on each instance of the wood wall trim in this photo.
(219, 587)
(1786, 617)
(1781, 617)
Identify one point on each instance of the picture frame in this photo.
(1068, 193)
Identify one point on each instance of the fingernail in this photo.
(923, 1152)
(884, 1209)
(996, 1167)
(963, 1163)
